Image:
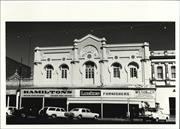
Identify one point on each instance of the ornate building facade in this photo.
(111, 79)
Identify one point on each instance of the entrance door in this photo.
(172, 106)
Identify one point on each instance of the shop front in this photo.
(11, 97)
(109, 103)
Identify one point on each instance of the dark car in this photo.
(26, 112)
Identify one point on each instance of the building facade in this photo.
(163, 66)
(110, 79)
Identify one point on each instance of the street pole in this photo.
(19, 88)
(101, 107)
(128, 113)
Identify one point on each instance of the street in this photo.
(33, 120)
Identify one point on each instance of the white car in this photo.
(10, 110)
(82, 113)
(159, 115)
(52, 112)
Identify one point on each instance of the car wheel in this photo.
(157, 119)
(166, 119)
(23, 115)
(53, 116)
(79, 117)
(95, 117)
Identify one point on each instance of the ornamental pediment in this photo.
(89, 36)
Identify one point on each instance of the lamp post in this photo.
(19, 87)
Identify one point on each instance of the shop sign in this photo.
(46, 93)
(118, 93)
(90, 93)
(10, 92)
(145, 94)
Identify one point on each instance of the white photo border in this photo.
(121, 11)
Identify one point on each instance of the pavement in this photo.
(33, 120)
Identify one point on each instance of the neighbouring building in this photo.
(17, 75)
(164, 78)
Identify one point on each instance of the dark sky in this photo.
(23, 37)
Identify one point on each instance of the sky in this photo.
(23, 37)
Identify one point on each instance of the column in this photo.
(43, 102)
(166, 71)
(153, 74)
(8, 100)
(103, 62)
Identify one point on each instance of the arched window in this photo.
(116, 70)
(173, 71)
(49, 69)
(160, 72)
(133, 69)
(89, 69)
(64, 70)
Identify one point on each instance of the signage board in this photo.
(90, 93)
(129, 93)
(118, 93)
(47, 93)
(10, 92)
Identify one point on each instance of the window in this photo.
(49, 69)
(89, 70)
(133, 72)
(52, 109)
(160, 72)
(58, 109)
(133, 69)
(116, 70)
(64, 70)
(173, 71)
(62, 110)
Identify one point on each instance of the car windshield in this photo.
(75, 109)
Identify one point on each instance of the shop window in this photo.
(160, 72)
(64, 70)
(173, 71)
(89, 70)
(49, 69)
(116, 70)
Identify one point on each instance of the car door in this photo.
(83, 112)
(62, 112)
(58, 112)
(89, 114)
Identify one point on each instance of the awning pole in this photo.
(101, 108)
(128, 113)
(43, 102)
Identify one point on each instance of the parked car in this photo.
(82, 113)
(52, 112)
(159, 115)
(10, 110)
(26, 112)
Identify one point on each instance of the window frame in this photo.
(133, 72)
(160, 72)
(64, 68)
(89, 71)
(49, 69)
(173, 72)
